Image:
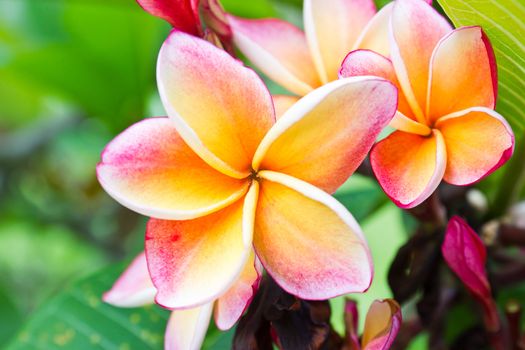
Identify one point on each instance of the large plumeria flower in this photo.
(447, 126)
(302, 61)
(186, 328)
(221, 177)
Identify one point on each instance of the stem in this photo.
(512, 184)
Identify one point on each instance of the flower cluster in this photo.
(237, 182)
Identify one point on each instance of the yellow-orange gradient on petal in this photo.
(296, 220)
(382, 324)
(147, 163)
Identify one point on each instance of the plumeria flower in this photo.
(302, 61)
(447, 126)
(382, 324)
(466, 255)
(187, 328)
(220, 177)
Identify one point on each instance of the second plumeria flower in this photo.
(221, 177)
(447, 126)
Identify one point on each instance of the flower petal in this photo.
(374, 36)
(416, 28)
(332, 28)
(187, 328)
(315, 253)
(221, 108)
(183, 15)
(366, 62)
(465, 254)
(409, 167)
(230, 306)
(468, 132)
(279, 49)
(134, 287)
(149, 169)
(382, 324)
(324, 137)
(282, 103)
(463, 73)
(195, 261)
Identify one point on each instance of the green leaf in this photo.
(10, 317)
(78, 319)
(502, 20)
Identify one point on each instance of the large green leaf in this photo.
(503, 21)
(77, 319)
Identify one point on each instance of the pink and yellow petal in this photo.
(194, 262)
(463, 73)
(315, 253)
(183, 15)
(409, 167)
(415, 30)
(382, 324)
(150, 169)
(187, 328)
(332, 28)
(325, 136)
(282, 103)
(374, 36)
(230, 306)
(468, 132)
(279, 50)
(220, 108)
(366, 62)
(134, 287)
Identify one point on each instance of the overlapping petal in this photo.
(382, 324)
(307, 241)
(150, 169)
(332, 28)
(187, 328)
(221, 108)
(374, 36)
(230, 306)
(324, 137)
(195, 261)
(282, 103)
(478, 141)
(279, 49)
(463, 73)
(183, 15)
(409, 167)
(416, 28)
(134, 287)
(366, 62)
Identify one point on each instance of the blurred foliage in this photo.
(74, 73)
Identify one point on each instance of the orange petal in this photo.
(332, 28)
(134, 287)
(463, 73)
(366, 62)
(403, 123)
(478, 141)
(221, 108)
(279, 50)
(230, 306)
(307, 241)
(186, 329)
(374, 36)
(150, 169)
(325, 136)
(382, 324)
(409, 167)
(282, 103)
(416, 28)
(195, 261)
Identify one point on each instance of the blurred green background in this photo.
(73, 74)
